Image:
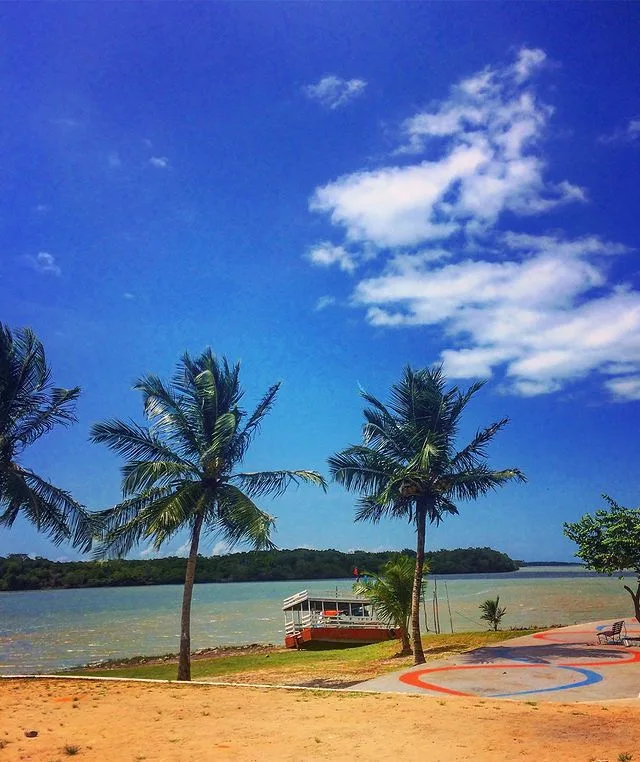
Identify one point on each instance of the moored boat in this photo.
(332, 617)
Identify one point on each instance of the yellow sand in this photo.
(140, 721)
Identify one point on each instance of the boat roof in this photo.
(332, 596)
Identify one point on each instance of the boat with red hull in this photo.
(339, 618)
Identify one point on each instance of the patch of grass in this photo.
(308, 667)
(70, 750)
(625, 757)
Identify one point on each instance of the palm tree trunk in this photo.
(184, 661)
(406, 643)
(418, 653)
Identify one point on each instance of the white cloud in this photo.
(324, 302)
(114, 161)
(128, 295)
(628, 134)
(220, 548)
(626, 388)
(161, 162)
(326, 254)
(44, 263)
(487, 162)
(333, 92)
(538, 308)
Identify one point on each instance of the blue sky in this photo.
(326, 192)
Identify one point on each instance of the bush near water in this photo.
(19, 572)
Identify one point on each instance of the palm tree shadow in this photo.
(542, 654)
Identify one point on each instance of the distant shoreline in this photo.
(19, 572)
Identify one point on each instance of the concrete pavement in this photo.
(563, 664)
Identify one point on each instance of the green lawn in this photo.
(341, 666)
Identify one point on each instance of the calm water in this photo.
(45, 630)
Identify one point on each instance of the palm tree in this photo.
(30, 407)
(408, 465)
(390, 593)
(492, 612)
(180, 471)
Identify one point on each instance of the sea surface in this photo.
(45, 630)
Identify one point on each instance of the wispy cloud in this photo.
(326, 254)
(67, 123)
(161, 162)
(333, 92)
(183, 550)
(43, 262)
(114, 161)
(324, 302)
(628, 134)
(538, 308)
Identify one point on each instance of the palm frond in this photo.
(50, 509)
(157, 515)
(222, 435)
(125, 511)
(474, 482)
(362, 469)
(374, 508)
(239, 519)
(170, 416)
(390, 591)
(142, 475)
(252, 425)
(51, 411)
(275, 483)
(475, 452)
(133, 441)
(462, 400)
(384, 433)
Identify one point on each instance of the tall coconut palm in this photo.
(390, 593)
(408, 465)
(30, 406)
(181, 470)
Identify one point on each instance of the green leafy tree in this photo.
(390, 592)
(492, 612)
(609, 542)
(408, 465)
(30, 406)
(180, 472)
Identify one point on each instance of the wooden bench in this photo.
(615, 635)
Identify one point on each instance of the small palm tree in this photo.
(390, 593)
(180, 471)
(408, 465)
(492, 612)
(30, 407)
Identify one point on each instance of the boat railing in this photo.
(320, 619)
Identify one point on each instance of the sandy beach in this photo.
(101, 720)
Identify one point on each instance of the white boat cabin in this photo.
(331, 609)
